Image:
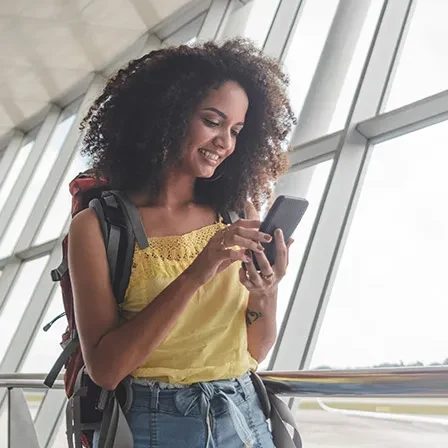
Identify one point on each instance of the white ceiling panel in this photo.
(47, 47)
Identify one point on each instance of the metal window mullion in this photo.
(53, 182)
(334, 62)
(26, 174)
(409, 118)
(215, 20)
(323, 94)
(7, 279)
(10, 154)
(301, 326)
(282, 28)
(316, 150)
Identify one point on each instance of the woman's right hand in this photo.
(226, 247)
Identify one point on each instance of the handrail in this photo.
(391, 382)
(405, 382)
(27, 381)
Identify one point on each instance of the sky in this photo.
(389, 299)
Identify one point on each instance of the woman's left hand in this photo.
(265, 281)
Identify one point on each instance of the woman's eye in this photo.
(210, 123)
(235, 133)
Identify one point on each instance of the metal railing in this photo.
(430, 382)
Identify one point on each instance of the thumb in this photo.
(251, 211)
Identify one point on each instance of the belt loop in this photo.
(155, 397)
(242, 381)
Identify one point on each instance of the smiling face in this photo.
(213, 129)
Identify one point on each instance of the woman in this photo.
(187, 133)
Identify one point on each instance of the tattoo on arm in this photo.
(252, 316)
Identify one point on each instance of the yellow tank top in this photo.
(209, 341)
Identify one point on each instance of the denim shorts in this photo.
(216, 414)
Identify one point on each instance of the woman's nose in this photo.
(223, 141)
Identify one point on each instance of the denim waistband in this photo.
(188, 396)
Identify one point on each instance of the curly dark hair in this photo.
(134, 129)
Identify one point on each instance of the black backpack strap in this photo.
(132, 216)
(68, 351)
(121, 226)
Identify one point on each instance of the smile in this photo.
(209, 155)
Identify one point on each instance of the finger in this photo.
(245, 243)
(246, 223)
(235, 255)
(253, 234)
(288, 245)
(263, 264)
(251, 211)
(281, 254)
(244, 280)
(253, 275)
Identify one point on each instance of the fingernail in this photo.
(248, 260)
(267, 238)
(260, 247)
(278, 232)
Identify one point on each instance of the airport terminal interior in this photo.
(366, 285)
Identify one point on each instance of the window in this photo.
(14, 172)
(357, 63)
(260, 20)
(61, 205)
(422, 67)
(18, 300)
(315, 179)
(306, 47)
(388, 303)
(45, 348)
(31, 195)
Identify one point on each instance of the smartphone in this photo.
(286, 214)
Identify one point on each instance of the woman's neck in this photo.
(177, 192)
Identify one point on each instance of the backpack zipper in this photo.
(49, 325)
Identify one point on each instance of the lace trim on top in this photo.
(169, 256)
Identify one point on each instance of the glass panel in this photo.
(34, 399)
(356, 65)
(60, 440)
(317, 179)
(306, 47)
(61, 206)
(373, 422)
(18, 300)
(422, 67)
(38, 180)
(14, 172)
(389, 302)
(260, 20)
(45, 347)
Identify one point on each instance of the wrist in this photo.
(265, 296)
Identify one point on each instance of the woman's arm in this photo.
(261, 322)
(111, 349)
(262, 305)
